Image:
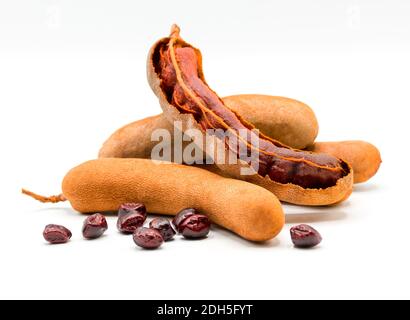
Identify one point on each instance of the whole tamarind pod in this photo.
(287, 120)
(174, 70)
(167, 188)
(364, 157)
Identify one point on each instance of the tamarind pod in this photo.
(363, 156)
(174, 70)
(166, 188)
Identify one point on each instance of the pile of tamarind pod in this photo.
(287, 120)
(321, 174)
(292, 166)
(284, 119)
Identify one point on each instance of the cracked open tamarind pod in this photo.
(174, 70)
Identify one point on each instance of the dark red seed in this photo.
(128, 208)
(195, 226)
(131, 216)
(164, 227)
(181, 216)
(304, 236)
(148, 238)
(56, 234)
(94, 226)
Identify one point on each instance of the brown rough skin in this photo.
(364, 157)
(178, 109)
(290, 121)
(134, 139)
(166, 188)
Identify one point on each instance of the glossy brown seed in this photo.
(94, 226)
(181, 216)
(128, 208)
(148, 238)
(304, 236)
(164, 227)
(195, 226)
(191, 224)
(131, 216)
(56, 234)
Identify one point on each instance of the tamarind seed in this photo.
(148, 238)
(127, 208)
(164, 227)
(181, 216)
(195, 227)
(56, 234)
(131, 216)
(94, 226)
(304, 236)
(191, 224)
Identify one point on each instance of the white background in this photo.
(71, 72)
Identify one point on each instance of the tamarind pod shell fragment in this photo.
(363, 156)
(285, 192)
(166, 188)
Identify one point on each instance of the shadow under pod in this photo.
(365, 187)
(230, 235)
(311, 217)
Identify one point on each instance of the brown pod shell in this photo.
(134, 139)
(286, 192)
(167, 188)
(363, 156)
